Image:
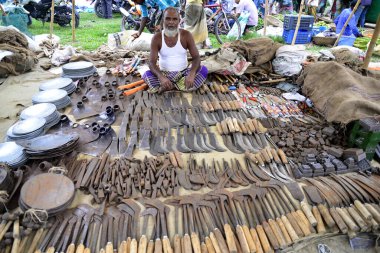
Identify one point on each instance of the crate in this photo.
(303, 36)
(306, 23)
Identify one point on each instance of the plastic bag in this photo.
(289, 59)
(243, 19)
(126, 41)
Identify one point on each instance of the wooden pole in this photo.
(51, 19)
(73, 20)
(265, 16)
(347, 21)
(298, 22)
(372, 44)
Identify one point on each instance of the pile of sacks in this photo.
(15, 55)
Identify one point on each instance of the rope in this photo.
(58, 170)
(36, 215)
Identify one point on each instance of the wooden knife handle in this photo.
(52, 250)
(204, 248)
(71, 248)
(270, 235)
(282, 155)
(347, 219)
(80, 248)
(309, 215)
(133, 247)
(219, 128)
(363, 210)
(230, 238)
(238, 248)
(373, 211)
(143, 243)
(102, 251)
(267, 248)
(210, 247)
(221, 242)
(358, 220)
(303, 222)
(265, 155)
(129, 240)
(123, 247)
(277, 233)
(374, 224)
(166, 245)
(326, 215)
(87, 250)
(248, 237)
(292, 233)
(250, 126)
(195, 242)
(109, 247)
(187, 244)
(284, 232)
(215, 243)
(150, 248)
(256, 240)
(275, 155)
(242, 240)
(320, 225)
(260, 159)
(177, 244)
(295, 225)
(338, 220)
(158, 246)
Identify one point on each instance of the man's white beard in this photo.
(171, 32)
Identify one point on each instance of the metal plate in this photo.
(49, 141)
(47, 191)
(49, 96)
(28, 126)
(77, 65)
(42, 110)
(10, 151)
(56, 83)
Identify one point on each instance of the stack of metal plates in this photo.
(50, 145)
(26, 129)
(59, 83)
(47, 111)
(76, 70)
(47, 191)
(12, 154)
(55, 96)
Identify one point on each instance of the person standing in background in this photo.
(195, 21)
(312, 8)
(260, 5)
(2, 8)
(362, 11)
(107, 8)
(250, 7)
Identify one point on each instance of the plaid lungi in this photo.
(177, 78)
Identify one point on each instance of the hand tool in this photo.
(143, 243)
(269, 217)
(181, 144)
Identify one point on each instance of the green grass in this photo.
(91, 33)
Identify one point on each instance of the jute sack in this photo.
(339, 93)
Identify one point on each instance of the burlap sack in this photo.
(257, 51)
(21, 61)
(341, 94)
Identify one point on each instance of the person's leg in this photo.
(362, 16)
(154, 83)
(247, 29)
(200, 78)
(358, 13)
(313, 11)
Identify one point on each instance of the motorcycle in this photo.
(116, 5)
(41, 11)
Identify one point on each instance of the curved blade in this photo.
(181, 145)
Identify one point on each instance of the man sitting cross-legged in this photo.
(170, 48)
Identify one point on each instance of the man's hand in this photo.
(189, 81)
(136, 35)
(166, 84)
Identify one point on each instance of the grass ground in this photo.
(93, 32)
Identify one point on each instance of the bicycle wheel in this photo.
(223, 24)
